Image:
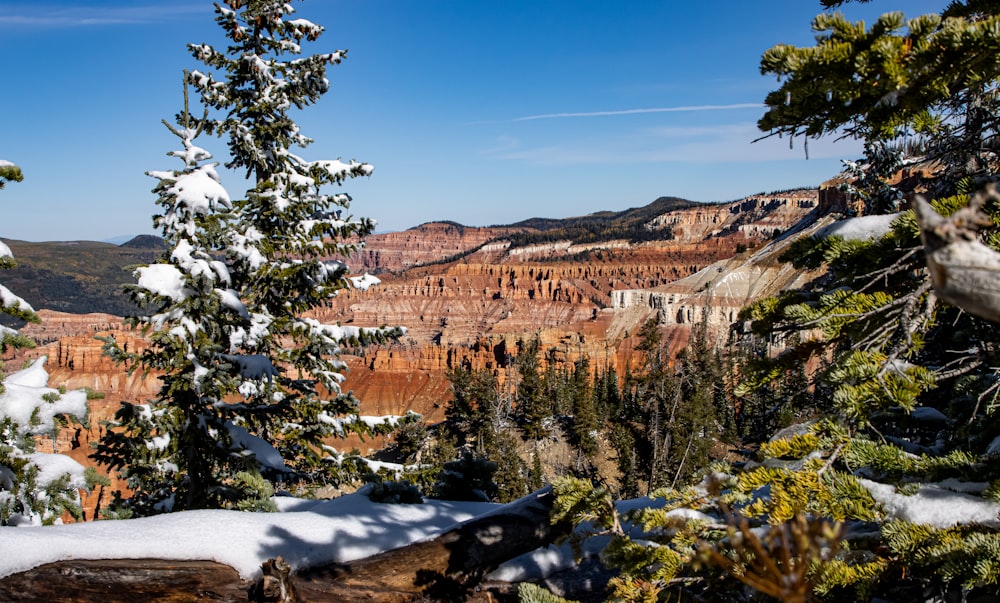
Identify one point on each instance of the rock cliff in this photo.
(424, 244)
(476, 290)
(716, 293)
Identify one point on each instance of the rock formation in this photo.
(716, 293)
(425, 244)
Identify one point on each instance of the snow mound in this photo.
(307, 533)
(935, 505)
(864, 228)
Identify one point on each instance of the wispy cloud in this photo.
(51, 16)
(686, 144)
(681, 109)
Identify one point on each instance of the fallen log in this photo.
(445, 568)
(125, 581)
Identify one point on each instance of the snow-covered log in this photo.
(441, 568)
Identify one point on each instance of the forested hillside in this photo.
(79, 276)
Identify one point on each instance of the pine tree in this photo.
(693, 422)
(468, 477)
(533, 408)
(761, 410)
(904, 379)
(658, 397)
(251, 386)
(10, 304)
(177, 451)
(607, 394)
(461, 413)
(287, 228)
(903, 386)
(479, 422)
(474, 409)
(584, 424)
(512, 474)
(627, 435)
(35, 487)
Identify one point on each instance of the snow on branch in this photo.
(377, 467)
(163, 279)
(198, 191)
(368, 424)
(335, 171)
(337, 334)
(935, 505)
(364, 282)
(246, 246)
(265, 454)
(10, 301)
(184, 254)
(258, 330)
(191, 155)
(303, 28)
(229, 298)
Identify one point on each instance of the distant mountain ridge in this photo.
(145, 242)
(661, 205)
(453, 285)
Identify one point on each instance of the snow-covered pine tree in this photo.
(185, 449)
(252, 385)
(905, 451)
(11, 304)
(290, 239)
(35, 487)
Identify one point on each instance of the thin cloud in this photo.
(732, 143)
(47, 16)
(681, 109)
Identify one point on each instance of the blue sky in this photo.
(473, 111)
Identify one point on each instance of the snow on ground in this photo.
(863, 228)
(936, 505)
(305, 533)
(544, 562)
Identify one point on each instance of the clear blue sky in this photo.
(482, 112)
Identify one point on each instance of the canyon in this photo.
(467, 295)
